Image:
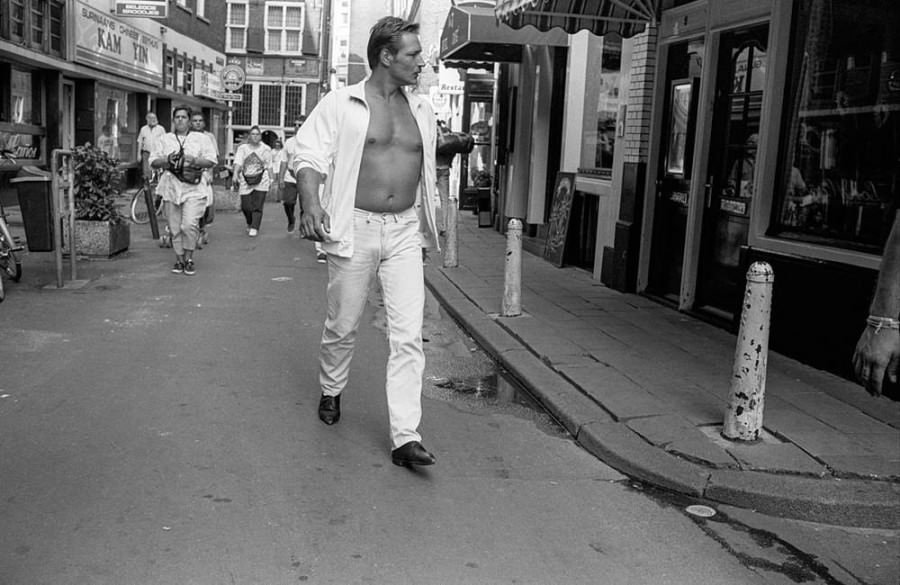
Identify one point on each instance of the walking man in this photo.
(150, 133)
(198, 124)
(184, 155)
(376, 143)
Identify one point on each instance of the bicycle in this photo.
(9, 264)
(139, 212)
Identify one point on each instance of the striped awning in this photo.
(472, 37)
(623, 17)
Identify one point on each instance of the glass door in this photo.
(674, 175)
(731, 183)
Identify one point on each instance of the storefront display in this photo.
(601, 106)
(843, 126)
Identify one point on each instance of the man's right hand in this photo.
(315, 224)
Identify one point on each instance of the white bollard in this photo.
(744, 416)
(451, 241)
(449, 218)
(512, 275)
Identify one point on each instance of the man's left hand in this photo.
(877, 357)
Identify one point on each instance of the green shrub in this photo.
(96, 185)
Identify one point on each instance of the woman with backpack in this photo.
(252, 178)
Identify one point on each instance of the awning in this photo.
(623, 17)
(472, 37)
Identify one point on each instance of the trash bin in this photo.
(33, 187)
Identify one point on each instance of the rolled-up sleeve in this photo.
(317, 138)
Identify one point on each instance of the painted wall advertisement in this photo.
(113, 45)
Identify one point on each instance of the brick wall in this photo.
(640, 96)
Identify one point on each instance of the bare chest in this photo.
(392, 126)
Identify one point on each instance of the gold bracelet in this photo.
(880, 323)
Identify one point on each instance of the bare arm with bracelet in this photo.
(877, 354)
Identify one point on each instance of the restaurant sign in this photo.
(110, 44)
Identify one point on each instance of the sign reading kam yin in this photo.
(113, 45)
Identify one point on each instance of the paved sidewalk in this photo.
(644, 388)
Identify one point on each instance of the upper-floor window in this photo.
(36, 24)
(236, 25)
(200, 7)
(284, 27)
(17, 19)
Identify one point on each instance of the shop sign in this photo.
(23, 146)
(232, 77)
(255, 66)
(208, 84)
(144, 8)
(113, 45)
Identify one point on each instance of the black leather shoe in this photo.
(330, 409)
(412, 453)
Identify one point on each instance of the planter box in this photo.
(98, 238)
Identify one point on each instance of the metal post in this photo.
(512, 276)
(62, 183)
(450, 218)
(744, 416)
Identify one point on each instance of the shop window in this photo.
(601, 105)
(270, 105)
(23, 103)
(116, 115)
(284, 27)
(293, 100)
(236, 37)
(839, 177)
(242, 113)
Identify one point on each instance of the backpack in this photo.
(253, 169)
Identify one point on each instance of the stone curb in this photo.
(857, 503)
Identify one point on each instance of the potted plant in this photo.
(100, 230)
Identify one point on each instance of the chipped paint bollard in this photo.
(512, 275)
(449, 218)
(744, 416)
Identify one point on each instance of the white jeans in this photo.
(387, 244)
(184, 223)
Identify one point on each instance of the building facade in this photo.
(282, 47)
(743, 132)
(75, 72)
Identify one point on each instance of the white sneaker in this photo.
(253, 232)
(321, 258)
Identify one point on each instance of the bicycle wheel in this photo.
(9, 264)
(139, 212)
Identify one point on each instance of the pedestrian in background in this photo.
(184, 156)
(877, 357)
(198, 124)
(275, 169)
(376, 143)
(289, 193)
(252, 168)
(147, 137)
(286, 177)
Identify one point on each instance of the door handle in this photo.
(709, 191)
